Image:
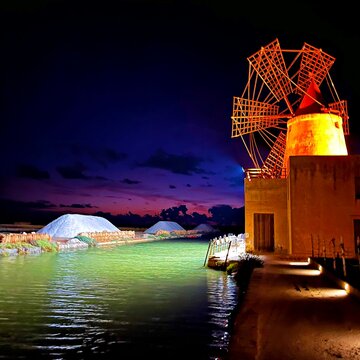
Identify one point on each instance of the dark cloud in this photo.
(78, 206)
(179, 164)
(104, 156)
(227, 215)
(172, 187)
(31, 172)
(173, 213)
(107, 156)
(39, 204)
(188, 185)
(130, 182)
(75, 171)
(37, 212)
(102, 178)
(18, 209)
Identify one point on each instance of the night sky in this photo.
(124, 107)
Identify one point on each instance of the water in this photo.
(150, 300)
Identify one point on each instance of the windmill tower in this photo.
(283, 110)
(293, 124)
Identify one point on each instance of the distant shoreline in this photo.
(19, 227)
(28, 227)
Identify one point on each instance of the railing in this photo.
(226, 245)
(254, 173)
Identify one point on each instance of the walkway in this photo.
(291, 311)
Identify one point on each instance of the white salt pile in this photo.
(205, 228)
(70, 225)
(164, 225)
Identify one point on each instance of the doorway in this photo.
(264, 232)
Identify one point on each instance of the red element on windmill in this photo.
(312, 101)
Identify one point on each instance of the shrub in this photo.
(45, 245)
(87, 240)
(232, 267)
(244, 267)
(252, 259)
(18, 248)
(162, 233)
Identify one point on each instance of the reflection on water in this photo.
(131, 302)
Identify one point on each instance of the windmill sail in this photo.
(270, 65)
(274, 164)
(315, 65)
(251, 115)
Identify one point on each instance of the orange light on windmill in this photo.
(315, 134)
(314, 130)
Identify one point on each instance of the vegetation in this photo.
(18, 245)
(87, 240)
(45, 245)
(162, 234)
(242, 269)
(25, 247)
(249, 260)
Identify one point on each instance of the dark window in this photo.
(357, 187)
(357, 235)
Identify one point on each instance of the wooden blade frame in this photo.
(315, 64)
(270, 65)
(251, 115)
(273, 166)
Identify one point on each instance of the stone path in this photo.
(291, 311)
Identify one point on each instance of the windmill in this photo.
(282, 111)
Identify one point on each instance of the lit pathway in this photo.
(291, 311)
